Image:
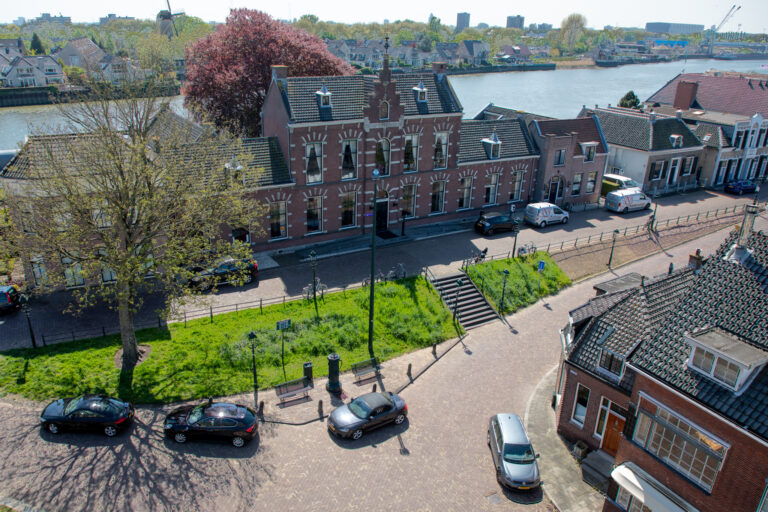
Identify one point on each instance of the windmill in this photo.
(165, 21)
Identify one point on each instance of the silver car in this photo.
(512, 453)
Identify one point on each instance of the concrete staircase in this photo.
(473, 309)
(596, 469)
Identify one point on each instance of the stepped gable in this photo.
(732, 296)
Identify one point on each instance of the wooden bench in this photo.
(293, 388)
(365, 367)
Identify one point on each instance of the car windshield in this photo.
(631, 183)
(359, 408)
(195, 414)
(73, 404)
(519, 453)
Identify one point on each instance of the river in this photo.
(559, 93)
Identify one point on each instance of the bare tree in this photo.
(572, 28)
(130, 201)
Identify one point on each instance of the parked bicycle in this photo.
(479, 257)
(525, 249)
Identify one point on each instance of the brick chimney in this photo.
(439, 68)
(279, 71)
(685, 94)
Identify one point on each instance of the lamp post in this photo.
(613, 244)
(459, 284)
(313, 261)
(373, 267)
(25, 306)
(252, 339)
(503, 290)
(653, 216)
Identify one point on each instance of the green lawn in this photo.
(214, 359)
(523, 286)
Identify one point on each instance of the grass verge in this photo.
(214, 359)
(524, 284)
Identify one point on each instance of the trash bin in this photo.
(308, 372)
(333, 386)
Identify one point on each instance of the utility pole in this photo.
(373, 267)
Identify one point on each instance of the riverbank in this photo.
(27, 96)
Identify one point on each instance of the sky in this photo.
(752, 17)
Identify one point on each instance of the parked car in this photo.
(740, 187)
(543, 214)
(225, 271)
(493, 222)
(216, 420)
(627, 200)
(10, 298)
(367, 412)
(613, 182)
(87, 412)
(512, 453)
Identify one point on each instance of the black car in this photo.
(213, 420)
(740, 187)
(10, 298)
(367, 412)
(225, 271)
(87, 412)
(490, 223)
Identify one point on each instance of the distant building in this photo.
(19, 21)
(12, 48)
(112, 17)
(545, 27)
(673, 28)
(83, 53)
(31, 72)
(47, 18)
(462, 21)
(516, 22)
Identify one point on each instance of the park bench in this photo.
(365, 367)
(293, 388)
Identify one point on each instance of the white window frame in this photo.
(465, 193)
(414, 139)
(560, 155)
(574, 419)
(282, 214)
(444, 140)
(386, 147)
(516, 193)
(353, 150)
(590, 150)
(579, 181)
(688, 166)
(319, 209)
(73, 272)
(39, 273)
(353, 208)
(318, 155)
(441, 191)
(491, 190)
(591, 182)
(411, 207)
(108, 276)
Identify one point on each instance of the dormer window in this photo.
(725, 357)
(324, 97)
(421, 92)
(611, 363)
(589, 149)
(383, 110)
(492, 146)
(676, 141)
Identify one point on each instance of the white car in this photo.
(543, 214)
(627, 200)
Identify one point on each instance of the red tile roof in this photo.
(732, 94)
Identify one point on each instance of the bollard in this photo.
(561, 245)
(333, 385)
(103, 331)
(261, 308)
(374, 388)
(185, 319)
(320, 409)
(261, 407)
(434, 349)
(159, 325)
(235, 308)
(210, 311)
(625, 232)
(410, 375)
(548, 245)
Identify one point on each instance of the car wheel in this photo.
(741, 192)
(400, 418)
(498, 477)
(238, 442)
(489, 232)
(248, 278)
(110, 431)
(53, 428)
(488, 438)
(357, 434)
(625, 210)
(565, 220)
(179, 437)
(647, 206)
(542, 224)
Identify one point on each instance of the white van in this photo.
(542, 214)
(627, 200)
(623, 182)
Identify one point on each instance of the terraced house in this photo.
(668, 377)
(335, 131)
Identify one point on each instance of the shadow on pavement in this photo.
(372, 438)
(524, 497)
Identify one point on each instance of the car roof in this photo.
(540, 205)
(512, 430)
(625, 192)
(618, 177)
(375, 400)
(224, 410)
(488, 215)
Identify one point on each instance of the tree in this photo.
(571, 29)
(117, 200)
(630, 100)
(75, 75)
(228, 72)
(36, 45)
(404, 35)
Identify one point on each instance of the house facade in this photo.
(36, 71)
(670, 378)
(83, 53)
(660, 152)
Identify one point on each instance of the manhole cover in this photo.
(495, 499)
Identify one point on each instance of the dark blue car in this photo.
(740, 187)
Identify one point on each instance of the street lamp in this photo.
(252, 339)
(313, 261)
(25, 307)
(503, 290)
(613, 244)
(459, 284)
(373, 267)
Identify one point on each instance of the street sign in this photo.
(283, 324)
(541, 266)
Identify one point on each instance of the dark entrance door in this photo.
(382, 216)
(554, 185)
(614, 426)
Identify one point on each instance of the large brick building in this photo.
(670, 378)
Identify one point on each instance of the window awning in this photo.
(650, 491)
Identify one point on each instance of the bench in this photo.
(365, 367)
(292, 388)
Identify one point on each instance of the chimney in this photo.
(750, 212)
(685, 94)
(679, 114)
(695, 261)
(439, 68)
(279, 72)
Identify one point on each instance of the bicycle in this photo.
(526, 249)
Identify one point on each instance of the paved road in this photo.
(437, 460)
(441, 254)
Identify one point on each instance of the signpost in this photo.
(281, 326)
(541, 271)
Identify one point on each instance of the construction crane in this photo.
(713, 31)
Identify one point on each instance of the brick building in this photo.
(670, 378)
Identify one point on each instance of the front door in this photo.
(673, 169)
(382, 215)
(553, 188)
(614, 426)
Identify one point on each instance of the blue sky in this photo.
(753, 16)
